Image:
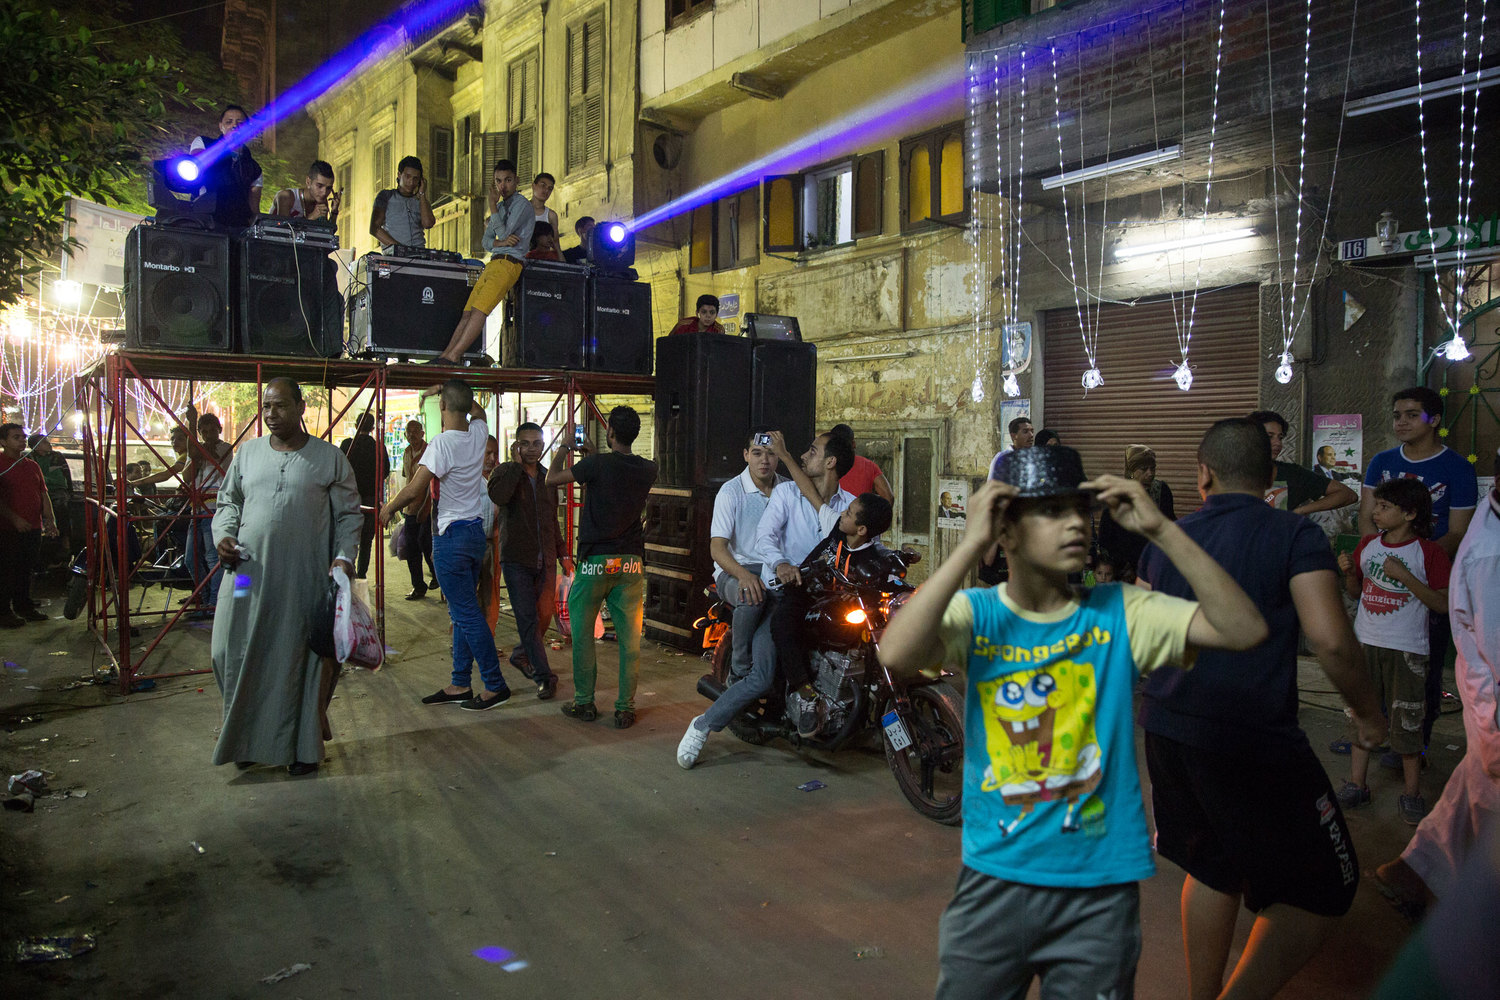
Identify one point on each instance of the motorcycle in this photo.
(920, 721)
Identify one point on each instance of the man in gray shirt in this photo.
(402, 214)
(507, 238)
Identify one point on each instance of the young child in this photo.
(1396, 576)
(1055, 835)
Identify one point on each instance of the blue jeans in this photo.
(456, 555)
(745, 691)
(533, 599)
(201, 557)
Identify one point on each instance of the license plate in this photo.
(895, 731)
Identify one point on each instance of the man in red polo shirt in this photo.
(25, 513)
(866, 476)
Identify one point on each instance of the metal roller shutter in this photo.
(1139, 403)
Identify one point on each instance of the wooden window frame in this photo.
(765, 212)
(440, 148)
(683, 11)
(874, 158)
(876, 162)
(523, 117)
(585, 103)
(712, 211)
(932, 141)
(719, 263)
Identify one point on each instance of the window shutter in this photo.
(442, 162)
(382, 167)
(869, 194)
(525, 146)
(494, 146)
(593, 53)
(782, 203)
(593, 127)
(576, 84)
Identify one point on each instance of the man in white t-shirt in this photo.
(453, 465)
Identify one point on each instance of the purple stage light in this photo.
(615, 233)
(186, 169)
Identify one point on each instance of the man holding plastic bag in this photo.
(287, 514)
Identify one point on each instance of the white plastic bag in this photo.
(356, 640)
(564, 620)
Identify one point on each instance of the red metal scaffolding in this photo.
(103, 393)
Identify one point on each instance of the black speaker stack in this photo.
(576, 317)
(711, 389)
(270, 289)
(407, 306)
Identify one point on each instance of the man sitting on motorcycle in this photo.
(791, 527)
(851, 549)
(738, 508)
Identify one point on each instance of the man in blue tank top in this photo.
(1055, 835)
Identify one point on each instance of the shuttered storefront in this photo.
(1138, 402)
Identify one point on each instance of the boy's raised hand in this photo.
(1128, 503)
(986, 512)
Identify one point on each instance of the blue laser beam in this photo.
(375, 43)
(899, 107)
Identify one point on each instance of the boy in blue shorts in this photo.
(1055, 835)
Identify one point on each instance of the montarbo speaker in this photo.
(177, 284)
(289, 302)
(620, 336)
(784, 390)
(547, 328)
(702, 407)
(408, 307)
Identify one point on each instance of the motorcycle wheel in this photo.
(933, 785)
(739, 726)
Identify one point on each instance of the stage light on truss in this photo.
(1112, 167)
(612, 246)
(180, 173)
(1207, 239)
(1183, 376)
(1284, 370)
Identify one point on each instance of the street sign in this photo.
(1440, 240)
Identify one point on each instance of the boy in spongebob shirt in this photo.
(1055, 835)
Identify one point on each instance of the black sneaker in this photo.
(546, 690)
(441, 697)
(483, 704)
(583, 713)
(416, 595)
(624, 719)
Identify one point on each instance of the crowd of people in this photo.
(1054, 835)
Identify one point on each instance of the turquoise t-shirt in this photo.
(1051, 792)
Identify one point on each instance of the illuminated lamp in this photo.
(612, 246)
(180, 173)
(855, 617)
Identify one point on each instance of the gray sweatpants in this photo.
(995, 936)
(751, 637)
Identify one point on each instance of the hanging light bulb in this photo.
(1284, 370)
(1455, 349)
(1011, 386)
(1183, 376)
(976, 391)
(1093, 378)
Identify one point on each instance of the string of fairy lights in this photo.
(43, 351)
(1456, 348)
(999, 230)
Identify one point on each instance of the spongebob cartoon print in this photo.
(1039, 734)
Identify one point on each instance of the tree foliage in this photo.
(90, 101)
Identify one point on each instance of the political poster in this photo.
(1338, 445)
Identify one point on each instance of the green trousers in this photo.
(620, 583)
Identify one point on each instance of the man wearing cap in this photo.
(1471, 799)
(1241, 802)
(1055, 837)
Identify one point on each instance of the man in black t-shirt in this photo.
(611, 554)
(1293, 488)
(1242, 804)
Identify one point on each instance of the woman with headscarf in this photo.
(1124, 546)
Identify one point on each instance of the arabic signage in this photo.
(1439, 240)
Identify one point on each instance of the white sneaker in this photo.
(691, 745)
